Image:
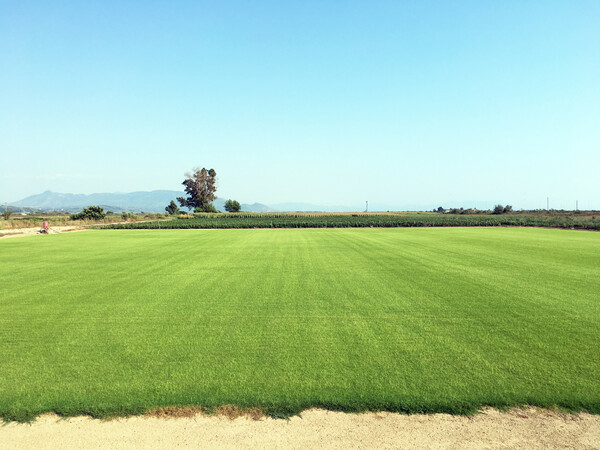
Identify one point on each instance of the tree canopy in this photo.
(232, 206)
(172, 208)
(200, 187)
(91, 212)
(498, 209)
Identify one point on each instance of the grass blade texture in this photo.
(413, 320)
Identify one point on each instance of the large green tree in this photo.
(200, 187)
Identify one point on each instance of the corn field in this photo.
(249, 220)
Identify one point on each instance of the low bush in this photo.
(90, 213)
(208, 208)
(232, 206)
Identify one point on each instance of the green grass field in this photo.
(413, 320)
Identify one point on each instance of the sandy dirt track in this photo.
(21, 232)
(529, 428)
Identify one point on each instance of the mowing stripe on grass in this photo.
(414, 320)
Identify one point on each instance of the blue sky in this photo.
(404, 104)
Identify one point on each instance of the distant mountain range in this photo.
(155, 201)
(142, 201)
(146, 201)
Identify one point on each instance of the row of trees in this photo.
(200, 187)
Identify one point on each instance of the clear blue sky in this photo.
(331, 102)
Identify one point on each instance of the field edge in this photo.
(233, 411)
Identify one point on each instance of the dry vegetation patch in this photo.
(168, 412)
(228, 411)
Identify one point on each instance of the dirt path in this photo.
(20, 232)
(529, 428)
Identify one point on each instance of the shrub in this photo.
(498, 209)
(232, 206)
(172, 208)
(6, 214)
(207, 208)
(91, 212)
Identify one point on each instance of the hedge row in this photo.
(361, 221)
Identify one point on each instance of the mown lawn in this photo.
(414, 320)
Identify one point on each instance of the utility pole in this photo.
(576, 205)
(367, 206)
(548, 203)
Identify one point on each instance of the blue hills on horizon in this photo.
(148, 201)
(140, 201)
(155, 202)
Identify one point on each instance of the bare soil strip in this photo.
(33, 231)
(20, 232)
(519, 428)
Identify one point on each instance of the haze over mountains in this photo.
(145, 201)
(141, 201)
(155, 202)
